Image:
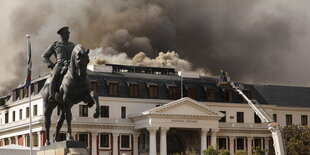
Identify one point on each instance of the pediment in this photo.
(184, 106)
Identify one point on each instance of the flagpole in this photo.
(29, 93)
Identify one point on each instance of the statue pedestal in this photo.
(65, 148)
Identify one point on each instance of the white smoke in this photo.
(169, 59)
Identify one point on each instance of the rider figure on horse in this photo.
(62, 51)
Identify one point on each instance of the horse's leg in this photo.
(59, 125)
(93, 98)
(48, 113)
(69, 118)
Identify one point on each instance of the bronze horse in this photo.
(74, 88)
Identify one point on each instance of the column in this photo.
(213, 139)
(249, 141)
(135, 143)
(163, 140)
(16, 140)
(10, 140)
(115, 143)
(267, 141)
(232, 144)
(25, 140)
(152, 132)
(203, 140)
(94, 143)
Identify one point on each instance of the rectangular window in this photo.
(191, 92)
(105, 111)
(35, 110)
(173, 92)
(258, 142)
(104, 140)
(275, 117)
(210, 94)
(94, 86)
(35, 140)
(223, 143)
(304, 120)
(123, 112)
(289, 119)
(27, 112)
(20, 114)
(13, 113)
(223, 119)
(257, 119)
(153, 91)
(83, 111)
(240, 144)
(6, 119)
(125, 141)
(113, 89)
(133, 90)
(229, 95)
(240, 117)
(83, 137)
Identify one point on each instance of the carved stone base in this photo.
(65, 148)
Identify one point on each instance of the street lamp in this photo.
(180, 73)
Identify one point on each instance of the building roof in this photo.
(288, 96)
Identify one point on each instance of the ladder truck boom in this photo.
(273, 127)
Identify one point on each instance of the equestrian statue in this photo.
(68, 84)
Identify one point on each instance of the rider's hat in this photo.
(63, 30)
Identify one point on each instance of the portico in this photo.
(180, 116)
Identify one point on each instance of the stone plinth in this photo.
(65, 148)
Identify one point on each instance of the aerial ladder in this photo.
(273, 127)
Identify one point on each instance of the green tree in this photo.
(210, 151)
(241, 153)
(259, 151)
(296, 139)
(223, 152)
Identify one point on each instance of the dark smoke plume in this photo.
(255, 41)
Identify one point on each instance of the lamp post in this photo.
(180, 73)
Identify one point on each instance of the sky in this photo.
(261, 42)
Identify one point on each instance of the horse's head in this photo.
(80, 59)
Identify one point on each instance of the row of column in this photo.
(163, 140)
(115, 148)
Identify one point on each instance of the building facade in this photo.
(143, 113)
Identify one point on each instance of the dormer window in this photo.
(113, 88)
(191, 91)
(35, 88)
(133, 89)
(25, 92)
(15, 95)
(173, 91)
(153, 90)
(94, 86)
(228, 95)
(210, 93)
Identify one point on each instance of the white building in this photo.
(141, 113)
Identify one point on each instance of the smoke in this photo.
(169, 59)
(255, 41)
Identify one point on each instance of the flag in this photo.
(29, 64)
